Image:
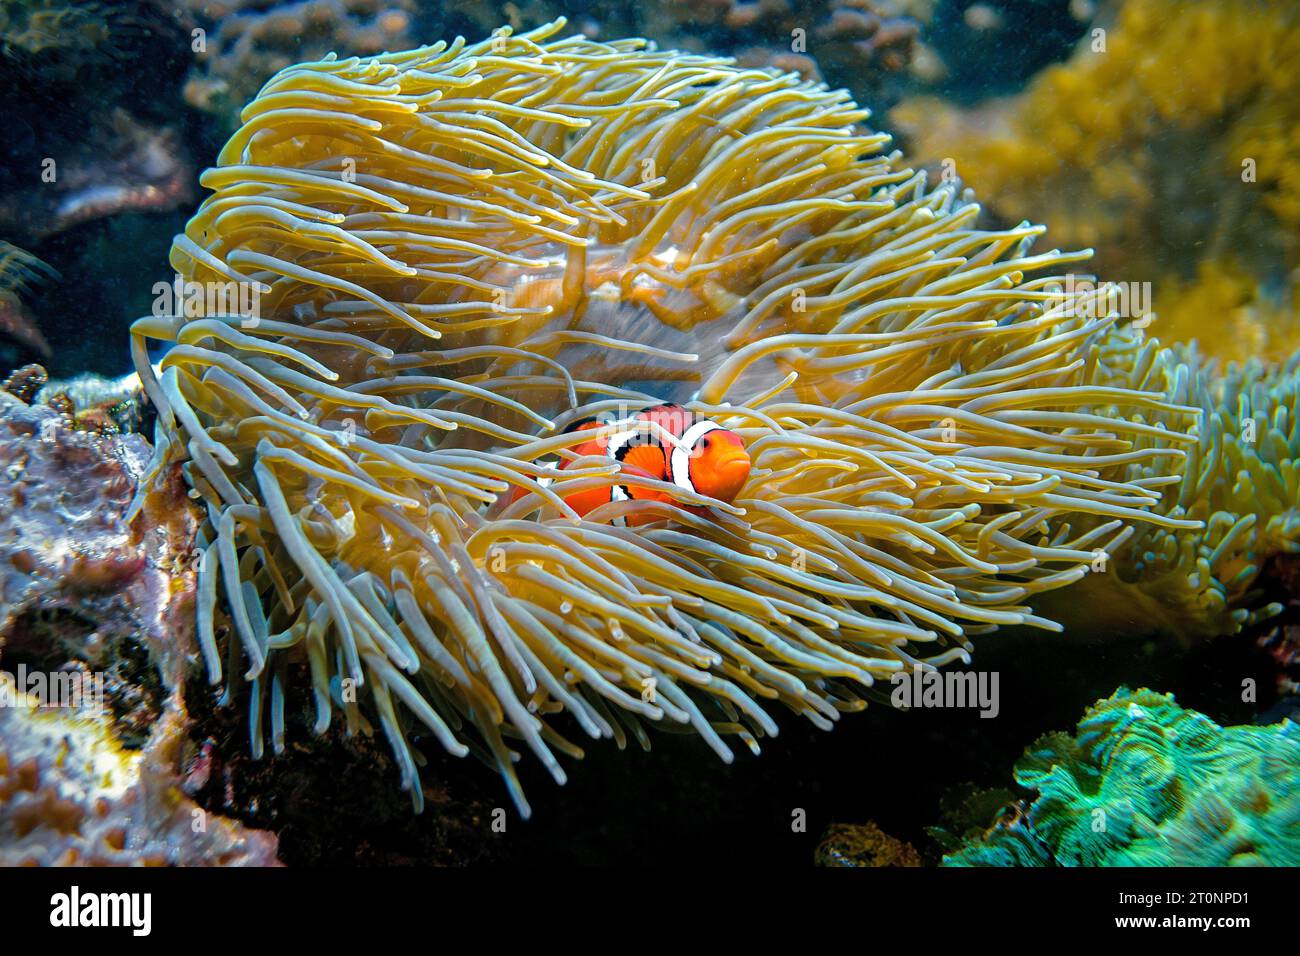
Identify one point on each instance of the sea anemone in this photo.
(1241, 481)
(456, 251)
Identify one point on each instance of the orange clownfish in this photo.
(708, 459)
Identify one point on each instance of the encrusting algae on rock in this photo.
(72, 795)
(462, 249)
(96, 632)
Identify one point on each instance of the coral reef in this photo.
(245, 42)
(1144, 782)
(63, 543)
(871, 46)
(459, 249)
(1187, 177)
(83, 595)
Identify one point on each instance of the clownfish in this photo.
(708, 459)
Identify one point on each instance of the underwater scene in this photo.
(794, 434)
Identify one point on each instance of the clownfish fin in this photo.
(648, 459)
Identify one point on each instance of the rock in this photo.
(88, 600)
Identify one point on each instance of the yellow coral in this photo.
(1171, 137)
(1228, 314)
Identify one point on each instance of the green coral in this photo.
(1144, 782)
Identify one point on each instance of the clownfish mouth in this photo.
(729, 476)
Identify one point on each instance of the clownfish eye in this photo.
(707, 442)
